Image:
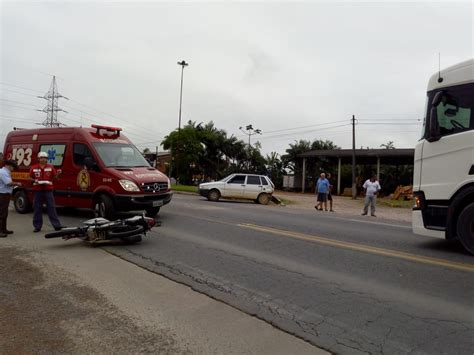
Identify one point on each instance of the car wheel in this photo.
(465, 228)
(104, 207)
(263, 199)
(214, 195)
(21, 202)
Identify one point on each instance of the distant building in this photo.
(162, 163)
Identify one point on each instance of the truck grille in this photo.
(154, 187)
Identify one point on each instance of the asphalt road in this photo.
(350, 286)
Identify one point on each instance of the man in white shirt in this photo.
(372, 187)
(6, 188)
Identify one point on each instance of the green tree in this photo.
(388, 145)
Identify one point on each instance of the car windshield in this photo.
(120, 155)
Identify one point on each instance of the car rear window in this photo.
(264, 180)
(253, 180)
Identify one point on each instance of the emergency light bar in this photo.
(116, 130)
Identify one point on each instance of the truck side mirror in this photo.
(90, 164)
(433, 133)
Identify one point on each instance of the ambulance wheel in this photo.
(465, 228)
(104, 207)
(152, 211)
(21, 202)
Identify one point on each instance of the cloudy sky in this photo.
(295, 70)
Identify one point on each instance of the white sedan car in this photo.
(240, 186)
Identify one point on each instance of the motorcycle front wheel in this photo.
(66, 232)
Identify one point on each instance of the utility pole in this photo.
(250, 131)
(354, 187)
(156, 157)
(52, 107)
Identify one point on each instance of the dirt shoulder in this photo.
(345, 206)
(46, 310)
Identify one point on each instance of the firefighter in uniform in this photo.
(43, 175)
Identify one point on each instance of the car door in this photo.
(253, 187)
(235, 186)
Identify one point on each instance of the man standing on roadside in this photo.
(328, 177)
(6, 188)
(322, 189)
(43, 175)
(372, 187)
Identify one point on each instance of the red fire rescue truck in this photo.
(101, 169)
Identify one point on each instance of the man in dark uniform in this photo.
(43, 175)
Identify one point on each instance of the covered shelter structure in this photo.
(363, 157)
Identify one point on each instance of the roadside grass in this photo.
(184, 188)
(386, 201)
(285, 201)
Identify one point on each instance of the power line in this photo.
(80, 110)
(19, 87)
(17, 102)
(304, 132)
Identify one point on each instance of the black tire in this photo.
(132, 239)
(263, 199)
(214, 195)
(104, 207)
(121, 232)
(21, 202)
(152, 211)
(64, 233)
(465, 228)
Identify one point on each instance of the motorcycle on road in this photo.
(102, 231)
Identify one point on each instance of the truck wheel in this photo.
(214, 195)
(21, 202)
(104, 207)
(263, 199)
(465, 228)
(152, 211)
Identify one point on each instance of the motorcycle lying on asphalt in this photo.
(102, 231)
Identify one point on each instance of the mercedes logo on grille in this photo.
(156, 186)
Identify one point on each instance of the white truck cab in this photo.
(443, 181)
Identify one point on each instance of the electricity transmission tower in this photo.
(51, 109)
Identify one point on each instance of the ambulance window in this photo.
(55, 153)
(81, 151)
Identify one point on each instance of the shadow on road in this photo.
(444, 246)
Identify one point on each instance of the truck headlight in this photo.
(128, 185)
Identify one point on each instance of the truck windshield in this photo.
(120, 155)
(455, 112)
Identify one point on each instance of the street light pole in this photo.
(183, 64)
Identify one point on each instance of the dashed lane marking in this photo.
(363, 248)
